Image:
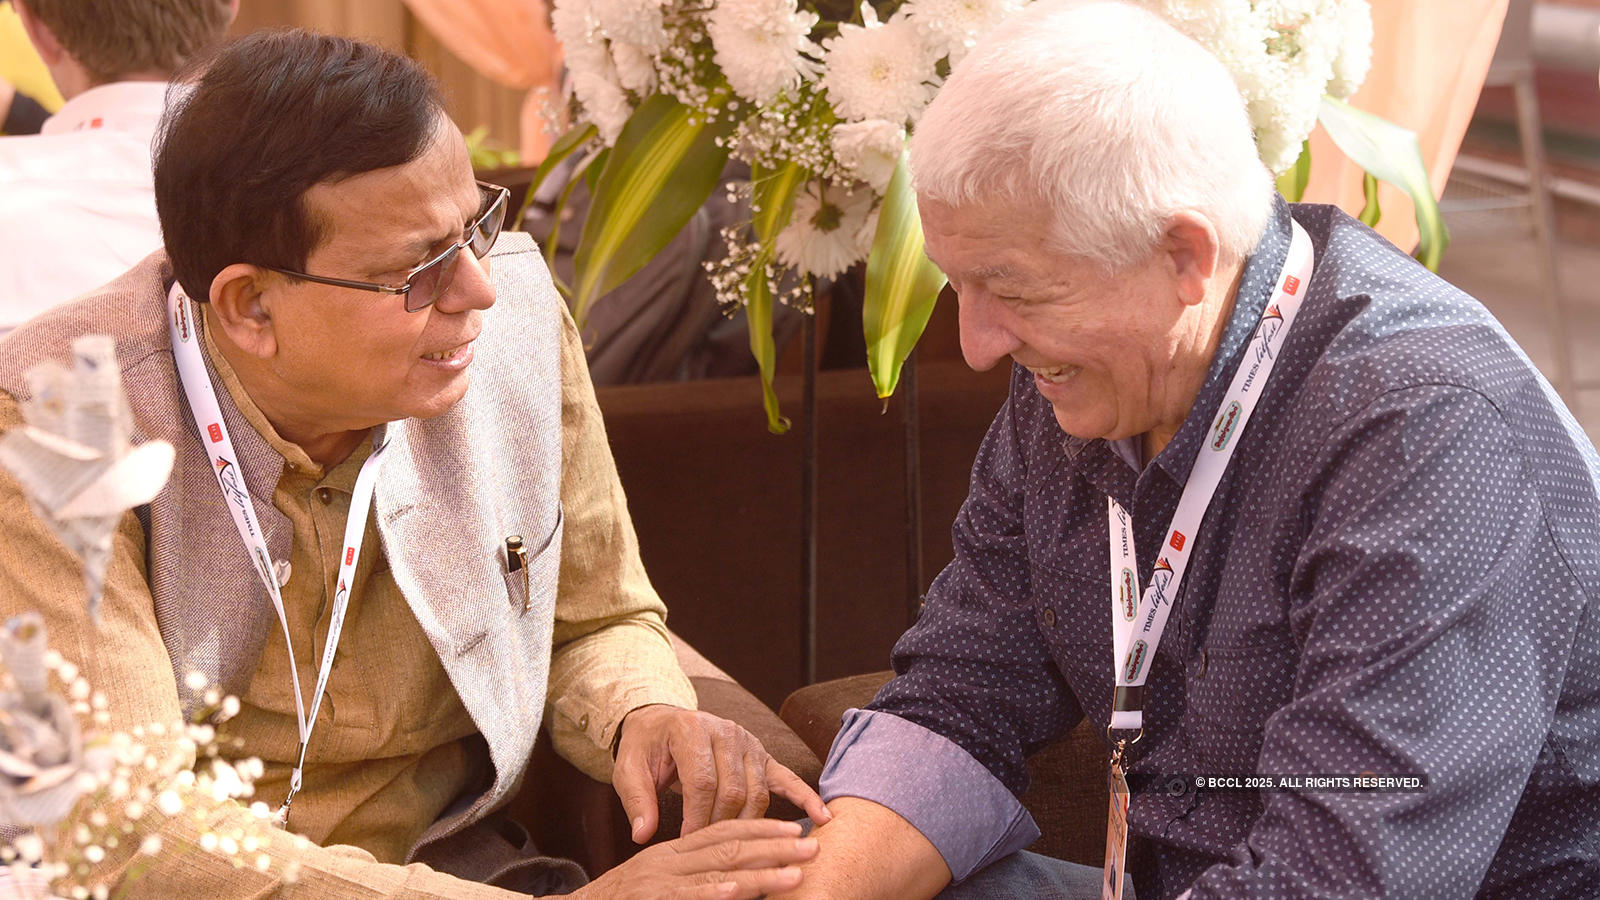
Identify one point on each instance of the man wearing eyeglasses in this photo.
(394, 529)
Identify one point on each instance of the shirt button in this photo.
(1049, 617)
(583, 722)
(325, 495)
(1200, 667)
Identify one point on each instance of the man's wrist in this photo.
(616, 737)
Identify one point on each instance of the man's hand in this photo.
(734, 860)
(722, 770)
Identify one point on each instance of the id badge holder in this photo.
(1116, 834)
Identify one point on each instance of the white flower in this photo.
(824, 236)
(1284, 55)
(636, 67)
(869, 151)
(761, 46)
(592, 74)
(637, 22)
(878, 71)
(1355, 49)
(169, 804)
(604, 104)
(953, 27)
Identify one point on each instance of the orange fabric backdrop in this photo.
(508, 41)
(1429, 59)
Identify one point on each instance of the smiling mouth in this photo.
(1053, 374)
(447, 355)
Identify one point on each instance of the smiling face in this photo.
(348, 359)
(1110, 354)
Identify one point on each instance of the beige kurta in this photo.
(393, 745)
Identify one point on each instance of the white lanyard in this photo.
(214, 436)
(1136, 627)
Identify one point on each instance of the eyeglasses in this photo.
(429, 281)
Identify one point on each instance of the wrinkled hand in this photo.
(735, 860)
(722, 770)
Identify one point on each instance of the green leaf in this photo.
(758, 313)
(564, 147)
(1370, 213)
(661, 170)
(773, 200)
(902, 284)
(1390, 153)
(1292, 184)
(591, 172)
(553, 242)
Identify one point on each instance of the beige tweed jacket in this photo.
(450, 490)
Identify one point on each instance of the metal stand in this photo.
(913, 452)
(808, 505)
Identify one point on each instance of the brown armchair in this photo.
(571, 815)
(1067, 792)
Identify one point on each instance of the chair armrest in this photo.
(571, 815)
(815, 711)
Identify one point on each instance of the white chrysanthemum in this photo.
(583, 47)
(605, 104)
(763, 47)
(869, 151)
(1282, 54)
(953, 27)
(636, 67)
(637, 22)
(824, 236)
(1355, 49)
(591, 73)
(878, 71)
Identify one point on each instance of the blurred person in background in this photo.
(27, 95)
(76, 203)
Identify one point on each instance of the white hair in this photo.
(1107, 114)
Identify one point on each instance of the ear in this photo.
(240, 311)
(1194, 254)
(43, 39)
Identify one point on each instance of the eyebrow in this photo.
(993, 273)
(421, 249)
(982, 273)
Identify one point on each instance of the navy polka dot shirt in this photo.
(1398, 575)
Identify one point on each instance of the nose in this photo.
(470, 285)
(985, 339)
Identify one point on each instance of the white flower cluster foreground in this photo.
(840, 106)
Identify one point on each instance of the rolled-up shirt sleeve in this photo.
(916, 773)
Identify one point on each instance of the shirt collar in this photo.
(1256, 284)
(119, 106)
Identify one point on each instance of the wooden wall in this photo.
(473, 100)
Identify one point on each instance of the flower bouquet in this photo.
(819, 101)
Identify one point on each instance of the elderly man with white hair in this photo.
(1279, 511)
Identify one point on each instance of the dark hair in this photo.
(111, 40)
(273, 114)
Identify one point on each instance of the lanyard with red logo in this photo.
(214, 437)
(1136, 627)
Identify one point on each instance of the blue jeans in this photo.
(1026, 876)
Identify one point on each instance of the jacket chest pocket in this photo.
(532, 568)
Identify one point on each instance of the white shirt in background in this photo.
(77, 207)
